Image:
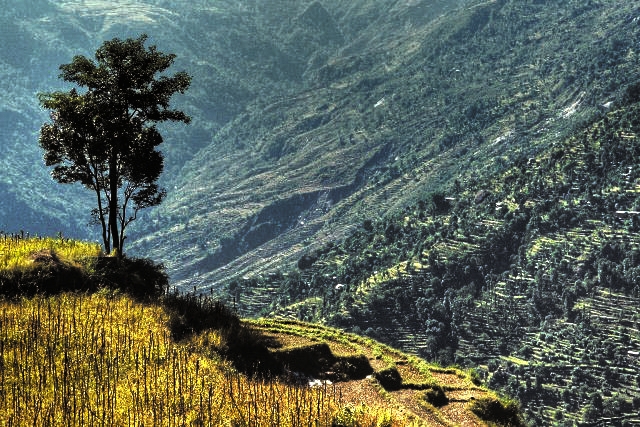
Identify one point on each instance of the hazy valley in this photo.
(458, 179)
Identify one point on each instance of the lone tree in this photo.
(105, 136)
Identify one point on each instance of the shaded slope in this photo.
(237, 55)
(442, 97)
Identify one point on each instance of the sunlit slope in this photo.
(427, 394)
(20, 251)
(88, 360)
(104, 359)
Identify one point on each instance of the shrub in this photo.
(436, 396)
(306, 262)
(47, 275)
(389, 378)
(138, 277)
(192, 314)
(49, 266)
(243, 346)
(496, 411)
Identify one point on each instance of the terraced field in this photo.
(532, 277)
(380, 375)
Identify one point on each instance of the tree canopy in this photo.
(105, 136)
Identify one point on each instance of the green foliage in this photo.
(106, 138)
(376, 131)
(536, 278)
(499, 412)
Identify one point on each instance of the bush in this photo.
(436, 396)
(390, 379)
(306, 262)
(493, 410)
(48, 275)
(138, 277)
(243, 346)
(191, 314)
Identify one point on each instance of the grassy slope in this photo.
(107, 358)
(538, 85)
(408, 383)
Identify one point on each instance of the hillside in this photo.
(112, 358)
(420, 97)
(310, 117)
(530, 275)
(235, 59)
(457, 179)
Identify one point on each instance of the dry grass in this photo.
(417, 376)
(17, 251)
(108, 360)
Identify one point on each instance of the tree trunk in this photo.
(103, 224)
(113, 202)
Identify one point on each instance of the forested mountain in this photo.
(420, 96)
(457, 178)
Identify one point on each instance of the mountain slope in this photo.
(530, 274)
(418, 99)
(446, 174)
(232, 56)
(71, 332)
(332, 111)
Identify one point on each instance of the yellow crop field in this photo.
(104, 360)
(18, 252)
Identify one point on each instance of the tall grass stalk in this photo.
(104, 360)
(16, 251)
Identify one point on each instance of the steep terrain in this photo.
(418, 99)
(238, 54)
(457, 179)
(311, 116)
(530, 274)
(89, 340)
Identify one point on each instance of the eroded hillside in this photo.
(419, 98)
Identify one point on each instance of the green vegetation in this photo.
(529, 276)
(121, 357)
(496, 411)
(389, 119)
(106, 137)
(457, 181)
